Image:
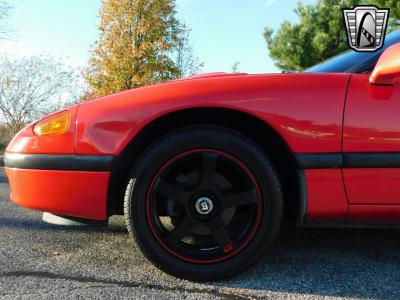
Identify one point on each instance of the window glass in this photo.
(354, 62)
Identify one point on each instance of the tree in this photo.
(138, 45)
(236, 67)
(394, 6)
(186, 63)
(34, 86)
(319, 34)
(5, 28)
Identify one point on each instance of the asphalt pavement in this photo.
(38, 260)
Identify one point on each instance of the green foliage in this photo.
(394, 6)
(141, 42)
(319, 34)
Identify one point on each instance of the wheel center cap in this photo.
(204, 205)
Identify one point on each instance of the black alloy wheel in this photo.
(196, 206)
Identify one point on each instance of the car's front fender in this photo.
(305, 109)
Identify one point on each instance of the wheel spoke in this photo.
(208, 169)
(239, 199)
(192, 203)
(172, 191)
(219, 233)
(180, 231)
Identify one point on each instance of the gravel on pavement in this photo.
(38, 260)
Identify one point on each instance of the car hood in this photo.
(226, 87)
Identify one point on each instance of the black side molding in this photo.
(348, 160)
(319, 161)
(104, 163)
(372, 160)
(58, 162)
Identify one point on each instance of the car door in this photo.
(371, 148)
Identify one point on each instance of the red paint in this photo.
(373, 186)
(371, 124)
(387, 70)
(305, 109)
(371, 121)
(71, 193)
(377, 213)
(27, 142)
(236, 250)
(228, 248)
(326, 195)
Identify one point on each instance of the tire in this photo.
(203, 203)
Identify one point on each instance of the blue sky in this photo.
(223, 31)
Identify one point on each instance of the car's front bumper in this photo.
(70, 185)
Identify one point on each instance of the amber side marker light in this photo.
(55, 124)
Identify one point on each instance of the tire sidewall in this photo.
(214, 139)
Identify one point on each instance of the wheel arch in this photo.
(247, 124)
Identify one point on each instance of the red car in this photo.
(205, 168)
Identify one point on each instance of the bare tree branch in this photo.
(5, 27)
(32, 87)
(186, 62)
(236, 67)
